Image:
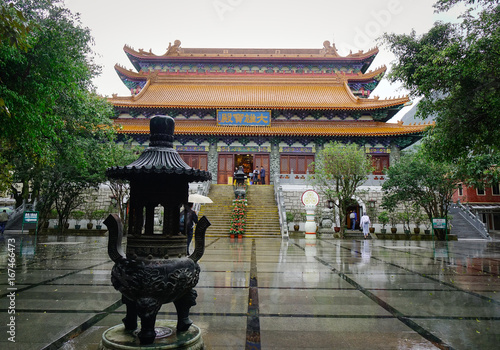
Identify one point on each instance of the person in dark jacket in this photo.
(262, 175)
(187, 221)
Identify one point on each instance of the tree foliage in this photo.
(339, 170)
(121, 155)
(455, 69)
(13, 26)
(417, 180)
(47, 85)
(56, 133)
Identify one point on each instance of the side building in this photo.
(271, 108)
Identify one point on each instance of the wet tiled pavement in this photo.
(268, 294)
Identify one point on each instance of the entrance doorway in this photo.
(357, 209)
(228, 163)
(245, 161)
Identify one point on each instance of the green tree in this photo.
(339, 170)
(455, 69)
(47, 89)
(54, 137)
(417, 180)
(13, 33)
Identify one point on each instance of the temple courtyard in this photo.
(270, 293)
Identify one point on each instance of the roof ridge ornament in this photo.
(174, 49)
(329, 49)
(146, 53)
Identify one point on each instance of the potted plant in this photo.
(417, 219)
(99, 216)
(427, 224)
(77, 215)
(405, 218)
(293, 217)
(89, 210)
(372, 214)
(299, 217)
(393, 219)
(383, 218)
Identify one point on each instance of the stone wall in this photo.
(364, 196)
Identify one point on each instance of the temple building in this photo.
(271, 108)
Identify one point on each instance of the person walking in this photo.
(365, 224)
(4, 217)
(262, 175)
(354, 217)
(187, 221)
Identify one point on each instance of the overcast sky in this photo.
(152, 24)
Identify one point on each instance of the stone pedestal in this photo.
(116, 338)
(310, 225)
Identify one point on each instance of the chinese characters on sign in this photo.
(240, 118)
(439, 223)
(31, 216)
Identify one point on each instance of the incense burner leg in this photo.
(130, 320)
(182, 305)
(147, 309)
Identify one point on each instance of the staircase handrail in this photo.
(473, 219)
(278, 195)
(18, 212)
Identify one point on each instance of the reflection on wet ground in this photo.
(267, 293)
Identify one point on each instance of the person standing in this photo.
(250, 176)
(365, 224)
(354, 217)
(256, 176)
(262, 175)
(4, 217)
(187, 221)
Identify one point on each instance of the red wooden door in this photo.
(225, 168)
(262, 160)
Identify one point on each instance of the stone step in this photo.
(262, 212)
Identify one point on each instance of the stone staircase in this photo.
(262, 214)
(218, 212)
(462, 228)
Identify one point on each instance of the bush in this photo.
(383, 218)
(100, 215)
(77, 215)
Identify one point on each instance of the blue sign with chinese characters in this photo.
(247, 118)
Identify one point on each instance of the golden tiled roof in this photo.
(276, 53)
(277, 128)
(349, 76)
(267, 92)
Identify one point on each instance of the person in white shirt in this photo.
(365, 224)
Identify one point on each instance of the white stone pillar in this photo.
(310, 225)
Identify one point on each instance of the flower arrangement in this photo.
(238, 217)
